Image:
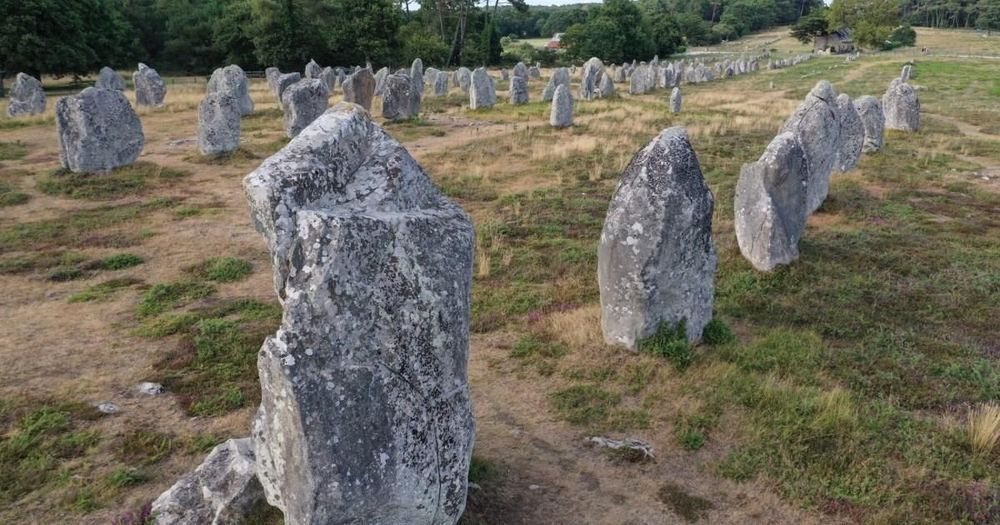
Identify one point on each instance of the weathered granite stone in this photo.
(560, 77)
(365, 413)
(272, 74)
(816, 126)
(218, 124)
(904, 75)
(518, 90)
(463, 77)
(561, 114)
(675, 100)
(313, 70)
(607, 86)
(441, 85)
(26, 96)
(656, 260)
(98, 131)
(771, 204)
(109, 79)
(359, 88)
(483, 93)
(400, 98)
(901, 107)
(521, 70)
(593, 70)
(870, 111)
(303, 102)
(852, 134)
(417, 74)
(149, 87)
(380, 80)
(329, 76)
(232, 81)
(534, 72)
(284, 82)
(221, 491)
(640, 82)
(504, 75)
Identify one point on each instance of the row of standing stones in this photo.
(373, 268)
(97, 140)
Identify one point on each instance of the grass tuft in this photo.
(670, 341)
(164, 296)
(984, 428)
(223, 269)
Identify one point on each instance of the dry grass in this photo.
(577, 328)
(984, 428)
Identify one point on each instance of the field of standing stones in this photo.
(750, 285)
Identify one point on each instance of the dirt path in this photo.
(551, 476)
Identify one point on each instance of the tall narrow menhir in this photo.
(656, 260)
(365, 414)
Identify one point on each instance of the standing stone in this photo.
(222, 490)
(285, 81)
(464, 78)
(852, 134)
(109, 79)
(365, 412)
(26, 96)
(904, 75)
(504, 76)
(518, 90)
(560, 77)
(561, 114)
(303, 103)
(870, 111)
(380, 80)
(441, 85)
(607, 87)
(816, 126)
(675, 100)
(329, 77)
(771, 204)
(232, 81)
(149, 87)
(593, 70)
(400, 98)
(656, 260)
(98, 131)
(639, 84)
(313, 70)
(901, 107)
(521, 70)
(359, 88)
(483, 93)
(218, 124)
(417, 74)
(272, 74)
(534, 72)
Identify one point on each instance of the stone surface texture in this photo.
(770, 204)
(26, 96)
(150, 90)
(98, 131)
(221, 491)
(816, 125)
(232, 81)
(656, 260)
(303, 102)
(365, 413)
(218, 124)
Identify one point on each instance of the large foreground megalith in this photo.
(365, 414)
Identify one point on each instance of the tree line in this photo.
(76, 37)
